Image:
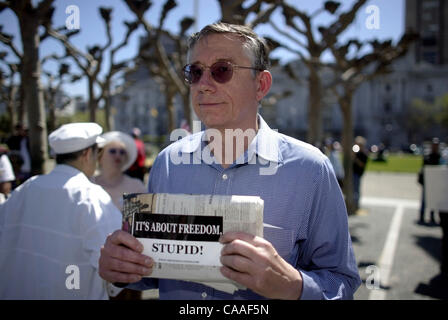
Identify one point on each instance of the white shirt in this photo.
(127, 185)
(52, 226)
(6, 171)
(336, 163)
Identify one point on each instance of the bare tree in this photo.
(163, 65)
(53, 88)
(114, 69)
(91, 62)
(351, 70)
(8, 90)
(311, 46)
(30, 18)
(233, 11)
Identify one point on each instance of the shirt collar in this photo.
(266, 143)
(67, 169)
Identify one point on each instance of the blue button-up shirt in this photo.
(305, 217)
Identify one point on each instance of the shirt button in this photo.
(204, 295)
(224, 177)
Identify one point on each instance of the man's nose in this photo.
(206, 82)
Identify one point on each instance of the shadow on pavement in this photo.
(436, 288)
(364, 264)
(353, 228)
(432, 245)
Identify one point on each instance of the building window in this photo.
(430, 57)
(429, 41)
(430, 4)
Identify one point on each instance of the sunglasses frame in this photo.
(203, 67)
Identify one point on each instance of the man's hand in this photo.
(253, 262)
(121, 259)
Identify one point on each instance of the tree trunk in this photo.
(345, 103)
(107, 110)
(169, 100)
(32, 90)
(92, 103)
(187, 109)
(10, 107)
(21, 112)
(51, 112)
(314, 134)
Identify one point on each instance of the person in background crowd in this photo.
(306, 250)
(15, 139)
(118, 152)
(138, 169)
(432, 158)
(6, 176)
(361, 156)
(333, 152)
(53, 225)
(18, 145)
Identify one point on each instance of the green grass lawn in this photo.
(397, 163)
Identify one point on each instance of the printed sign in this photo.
(181, 239)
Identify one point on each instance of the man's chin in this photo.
(213, 122)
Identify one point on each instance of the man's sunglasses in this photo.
(221, 71)
(114, 151)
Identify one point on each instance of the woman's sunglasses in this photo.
(114, 151)
(221, 71)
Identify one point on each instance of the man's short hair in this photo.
(256, 45)
(65, 158)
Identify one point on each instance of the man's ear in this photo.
(264, 83)
(86, 153)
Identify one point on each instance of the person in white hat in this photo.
(118, 153)
(6, 176)
(53, 226)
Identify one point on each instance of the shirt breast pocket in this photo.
(282, 240)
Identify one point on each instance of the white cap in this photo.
(74, 137)
(129, 144)
(6, 172)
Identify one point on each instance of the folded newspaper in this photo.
(181, 232)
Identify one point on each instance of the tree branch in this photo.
(8, 40)
(287, 35)
(72, 51)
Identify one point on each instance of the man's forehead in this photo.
(221, 36)
(219, 42)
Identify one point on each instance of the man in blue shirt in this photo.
(306, 251)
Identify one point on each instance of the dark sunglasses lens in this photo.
(115, 151)
(221, 71)
(192, 73)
